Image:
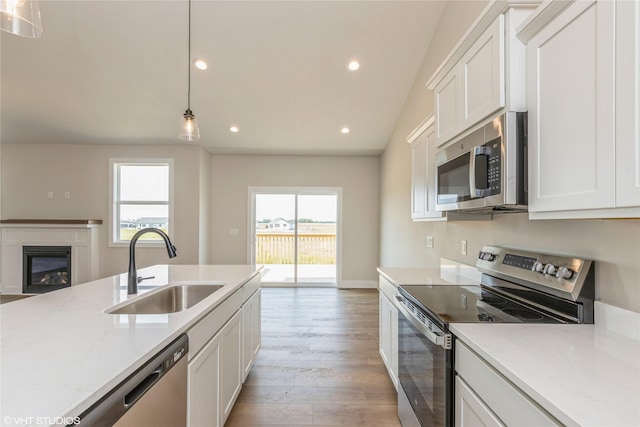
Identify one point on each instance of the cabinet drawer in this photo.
(206, 328)
(508, 402)
(388, 289)
(250, 288)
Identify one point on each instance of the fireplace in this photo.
(45, 268)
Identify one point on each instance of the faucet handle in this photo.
(140, 279)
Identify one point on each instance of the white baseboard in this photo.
(358, 284)
(345, 284)
(617, 319)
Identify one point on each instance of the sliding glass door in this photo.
(296, 234)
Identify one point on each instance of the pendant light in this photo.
(21, 17)
(189, 130)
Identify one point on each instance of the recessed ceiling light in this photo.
(345, 130)
(353, 65)
(200, 64)
(234, 129)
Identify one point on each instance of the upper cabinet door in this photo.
(423, 175)
(628, 104)
(448, 109)
(482, 73)
(419, 178)
(570, 94)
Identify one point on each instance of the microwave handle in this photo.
(477, 151)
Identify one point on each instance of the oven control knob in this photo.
(487, 256)
(538, 267)
(564, 273)
(550, 269)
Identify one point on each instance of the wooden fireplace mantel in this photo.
(52, 221)
(82, 235)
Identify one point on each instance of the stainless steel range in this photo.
(516, 287)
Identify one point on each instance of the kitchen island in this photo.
(60, 352)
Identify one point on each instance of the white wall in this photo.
(615, 245)
(205, 207)
(30, 171)
(358, 176)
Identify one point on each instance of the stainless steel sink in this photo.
(171, 299)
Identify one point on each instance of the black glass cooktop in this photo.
(470, 304)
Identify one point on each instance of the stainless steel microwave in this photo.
(486, 170)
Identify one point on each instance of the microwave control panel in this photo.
(489, 167)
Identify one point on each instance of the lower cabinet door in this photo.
(251, 331)
(470, 410)
(203, 392)
(388, 336)
(231, 361)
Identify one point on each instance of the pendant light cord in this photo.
(189, 64)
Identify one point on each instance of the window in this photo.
(141, 191)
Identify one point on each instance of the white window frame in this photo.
(329, 191)
(114, 202)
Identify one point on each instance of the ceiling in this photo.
(115, 72)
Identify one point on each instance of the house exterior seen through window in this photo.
(141, 198)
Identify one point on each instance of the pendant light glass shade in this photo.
(21, 17)
(189, 130)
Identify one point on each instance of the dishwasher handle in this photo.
(143, 386)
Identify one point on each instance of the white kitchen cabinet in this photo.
(627, 103)
(231, 364)
(423, 174)
(470, 410)
(203, 389)
(570, 94)
(582, 96)
(447, 96)
(217, 362)
(419, 178)
(483, 74)
(484, 395)
(388, 329)
(251, 319)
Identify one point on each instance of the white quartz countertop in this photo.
(584, 375)
(60, 352)
(449, 273)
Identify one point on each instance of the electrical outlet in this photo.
(429, 241)
(50, 194)
(463, 247)
(67, 194)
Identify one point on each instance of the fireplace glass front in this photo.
(46, 268)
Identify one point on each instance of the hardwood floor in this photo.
(319, 363)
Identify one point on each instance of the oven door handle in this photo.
(438, 338)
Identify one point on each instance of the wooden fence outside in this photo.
(279, 248)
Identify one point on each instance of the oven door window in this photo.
(422, 373)
(453, 180)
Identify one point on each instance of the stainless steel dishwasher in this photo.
(155, 395)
